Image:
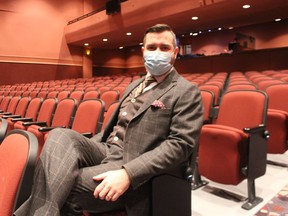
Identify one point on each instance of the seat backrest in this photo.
(33, 108)
(103, 89)
(89, 116)
(64, 112)
(52, 94)
(243, 108)
(12, 93)
(92, 94)
(42, 94)
(34, 93)
(241, 87)
(108, 114)
(26, 93)
(207, 100)
(18, 153)
(13, 104)
(63, 94)
(88, 88)
(77, 95)
(121, 90)
(47, 110)
(22, 106)
(215, 89)
(277, 94)
(4, 103)
(263, 84)
(109, 97)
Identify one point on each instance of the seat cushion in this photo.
(222, 153)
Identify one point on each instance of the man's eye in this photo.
(165, 48)
(151, 48)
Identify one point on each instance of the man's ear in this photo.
(176, 51)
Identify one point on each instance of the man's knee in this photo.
(62, 133)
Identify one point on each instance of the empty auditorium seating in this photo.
(44, 116)
(109, 97)
(91, 94)
(108, 114)
(11, 106)
(20, 109)
(89, 117)
(235, 147)
(244, 86)
(63, 94)
(4, 103)
(216, 91)
(77, 95)
(19, 112)
(62, 117)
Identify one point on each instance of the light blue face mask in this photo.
(157, 63)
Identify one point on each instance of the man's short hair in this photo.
(159, 28)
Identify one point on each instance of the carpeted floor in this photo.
(278, 206)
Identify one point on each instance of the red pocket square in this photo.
(158, 104)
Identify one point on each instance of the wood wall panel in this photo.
(12, 73)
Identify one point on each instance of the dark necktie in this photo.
(148, 81)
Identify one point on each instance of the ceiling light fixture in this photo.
(246, 6)
(86, 44)
(105, 39)
(278, 19)
(194, 18)
(121, 47)
(128, 33)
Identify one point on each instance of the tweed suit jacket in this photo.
(157, 140)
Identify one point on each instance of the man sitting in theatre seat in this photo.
(153, 130)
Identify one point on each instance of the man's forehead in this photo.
(163, 37)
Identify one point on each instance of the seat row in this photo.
(235, 140)
(107, 96)
(71, 84)
(39, 116)
(20, 150)
(255, 79)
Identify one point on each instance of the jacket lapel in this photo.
(159, 90)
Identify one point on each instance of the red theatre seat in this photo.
(235, 147)
(277, 120)
(18, 153)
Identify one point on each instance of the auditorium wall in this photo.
(32, 42)
(33, 46)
